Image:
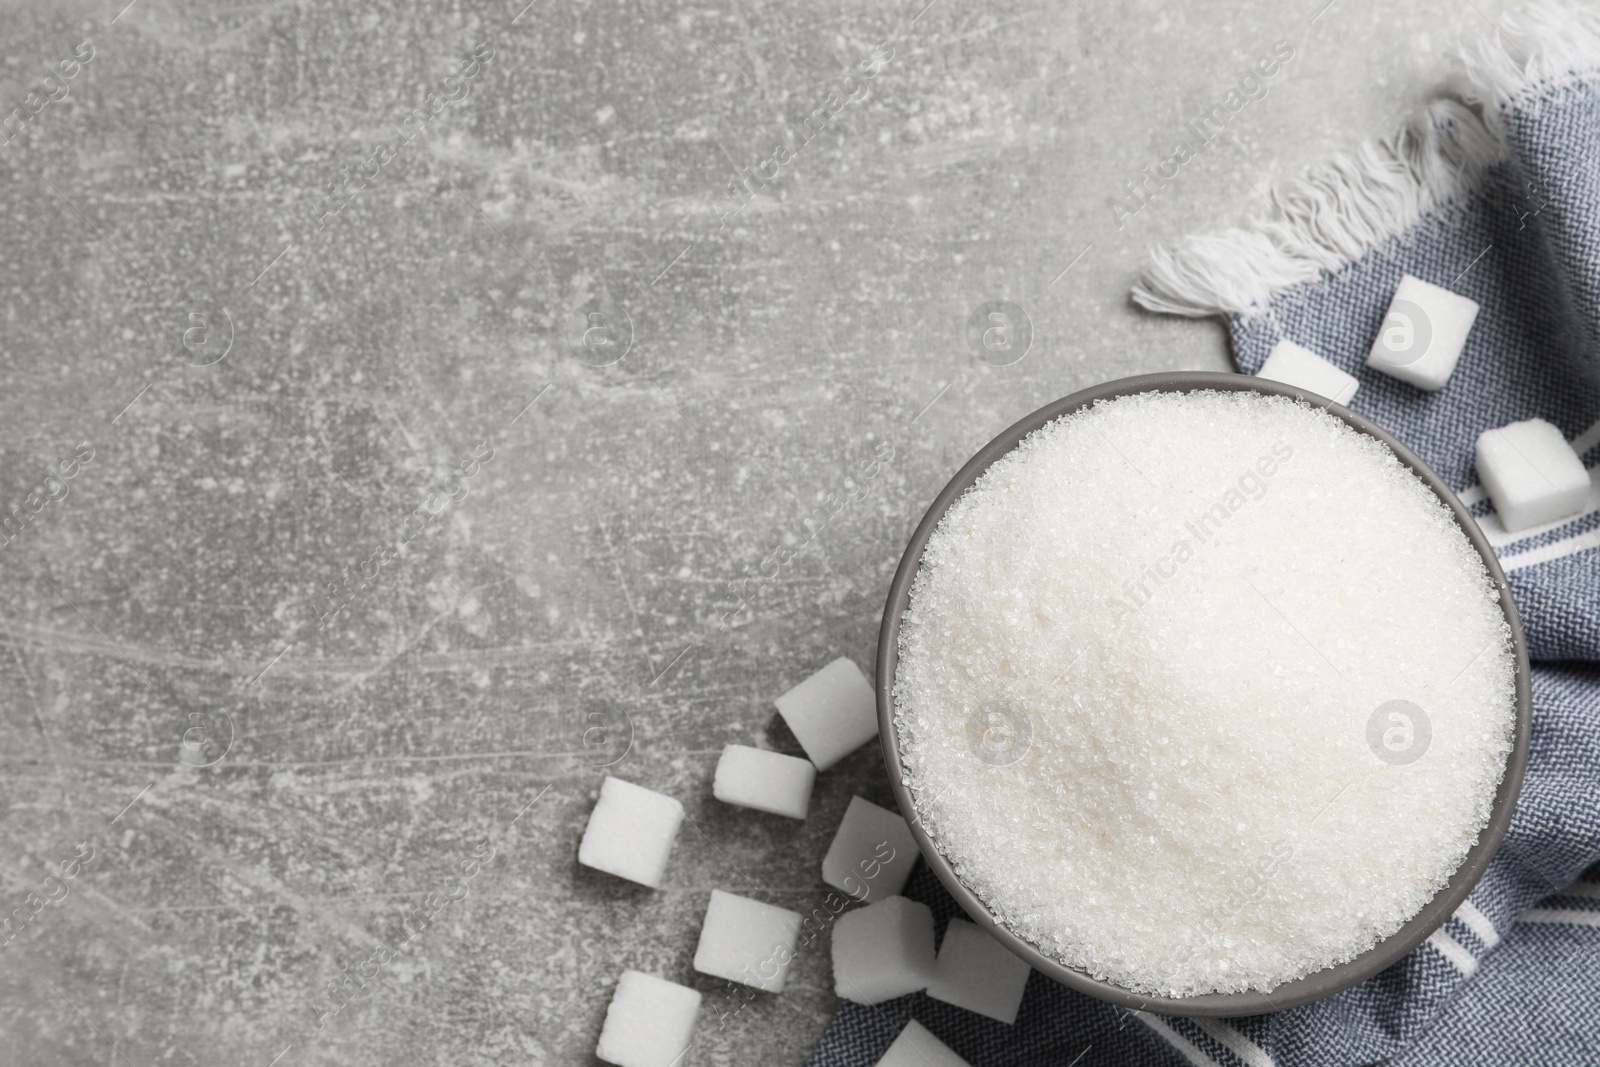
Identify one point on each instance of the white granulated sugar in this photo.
(1203, 692)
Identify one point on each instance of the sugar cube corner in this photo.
(1531, 474)
(917, 1047)
(872, 853)
(1296, 365)
(832, 713)
(764, 781)
(744, 940)
(978, 973)
(630, 833)
(883, 951)
(649, 1023)
(1423, 334)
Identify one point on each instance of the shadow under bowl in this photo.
(1314, 986)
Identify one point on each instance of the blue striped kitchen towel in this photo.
(1494, 194)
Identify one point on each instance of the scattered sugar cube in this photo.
(1423, 333)
(630, 832)
(916, 1047)
(766, 781)
(978, 973)
(833, 712)
(1531, 474)
(883, 951)
(650, 1022)
(872, 854)
(744, 940)
(1302, 368)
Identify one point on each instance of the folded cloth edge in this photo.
(1348, 205)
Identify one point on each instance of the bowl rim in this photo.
(1319, 984)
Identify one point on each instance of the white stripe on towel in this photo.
(1560, 916)
(1455, 952)
(1570, 546)
(1478, 923)
(1587, 439)
(1236, 1042)
(1190, 1050)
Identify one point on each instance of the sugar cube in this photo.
(744, 940)
(872, 854)
(916, 1047)
(650, 1022)
(766, 781)
(832, 713)
(1531, 474)
(883, 951)
(978, 973)
(1422, 334)
(630, 832)
(1302, 368)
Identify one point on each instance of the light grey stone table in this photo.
(337, 560)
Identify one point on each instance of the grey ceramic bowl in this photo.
(1315, 986)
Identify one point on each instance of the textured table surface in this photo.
(401, 419)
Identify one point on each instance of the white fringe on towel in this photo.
(1546, 45)
(1342, 208)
